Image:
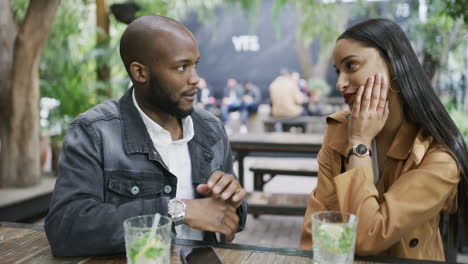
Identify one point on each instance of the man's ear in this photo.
(140, 72)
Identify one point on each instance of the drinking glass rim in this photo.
(127, 222)
(350, 216)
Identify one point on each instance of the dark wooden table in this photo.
(22, 243)
(244, 144)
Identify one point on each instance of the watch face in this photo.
(361, 149)
(176, 208)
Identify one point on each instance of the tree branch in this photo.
(37, 22)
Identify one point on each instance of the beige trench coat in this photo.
(286, 99)
(398, 216)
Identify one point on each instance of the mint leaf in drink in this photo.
(153, 253)
(137, 245)
(346, 240)
(328, 236)
(335, 238)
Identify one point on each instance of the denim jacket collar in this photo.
(136, 138)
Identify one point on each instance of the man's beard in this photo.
(160, 98)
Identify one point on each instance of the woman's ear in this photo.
(139, 72)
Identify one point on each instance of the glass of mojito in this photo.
(334, 236)
(144, 248)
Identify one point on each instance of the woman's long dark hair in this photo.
(420, 102)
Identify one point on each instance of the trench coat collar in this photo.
(408, 138)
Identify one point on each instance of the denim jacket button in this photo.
(167, 189)
(135, 190)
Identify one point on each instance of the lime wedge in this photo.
(334, 231)
(334, 238)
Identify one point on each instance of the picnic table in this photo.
(245, 144)
(24, 243)
(301, 123)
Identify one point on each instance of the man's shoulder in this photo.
(104, 111)
(206, 125)
(203, 115)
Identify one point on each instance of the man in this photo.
(250, 101)
(286, 99)
(150, 152)
(203, 96)
(232, 100)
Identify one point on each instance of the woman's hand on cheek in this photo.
(370, 111)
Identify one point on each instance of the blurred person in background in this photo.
(232, 101)
(203, 95)
(251, 98)
(286, 98)
(205, 100)
(302, 85)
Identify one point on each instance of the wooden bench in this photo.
(277, 203)
(298, 124)
(284, 166)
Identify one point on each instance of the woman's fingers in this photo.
(385, 111)
(383, 96)
(357, 101)
(376, 90)
(365, 104)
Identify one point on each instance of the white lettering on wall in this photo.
(245, 43)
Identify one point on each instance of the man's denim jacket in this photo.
(109, 171)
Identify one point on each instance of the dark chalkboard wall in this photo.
(262, 56)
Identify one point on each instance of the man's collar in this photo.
(136, 138)
(160, 135)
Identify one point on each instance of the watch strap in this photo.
(178, 220)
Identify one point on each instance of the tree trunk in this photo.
(7, 39)
(304, 57)
(449, 42)
(302, 50)
(19, 164)
(319, 69)
(102, 41)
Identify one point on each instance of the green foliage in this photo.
(456, 9)
(434, 33)
(69, 62)
(317, 19)
(327, 29)
(153, 7)
(68, 66)
(67, 69)
(19, 8)
(250, 8)
(177, 9)
(319, 85)
(459, 117)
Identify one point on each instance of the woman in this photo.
(396, 160)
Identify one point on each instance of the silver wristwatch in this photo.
(176, 209)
